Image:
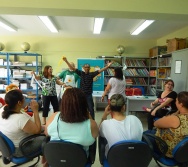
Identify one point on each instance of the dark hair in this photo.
(118, 73)
(182, 98)
(11, 99)
(86, 65)
(169, 80)
(45, 71)
(117, 101)
(74, 106)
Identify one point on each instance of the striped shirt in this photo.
(86, 81)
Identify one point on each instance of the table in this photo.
(95, 95)
(135, 103)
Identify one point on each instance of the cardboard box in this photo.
(5, 63)
(176, 44)
(1, 62)
(23, 86)
(157, 50)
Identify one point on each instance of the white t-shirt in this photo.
(114, 131)
(117, 87)
(12, 127)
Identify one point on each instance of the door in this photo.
(179, 70)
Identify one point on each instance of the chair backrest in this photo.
(129, 153)
(66, 154)
(7, 147)
(180, 152)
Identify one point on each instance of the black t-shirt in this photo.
(172, 95)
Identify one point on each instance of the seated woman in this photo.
(16, 124)
(120, 127)
(173, 128)
(73, 123)
(164, 104)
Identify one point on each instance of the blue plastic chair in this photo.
(180, 152)
(128, 153)
(7, 149)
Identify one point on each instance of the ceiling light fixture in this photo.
(141, 27)
(6, 25)
(49, 24)
(98, 22)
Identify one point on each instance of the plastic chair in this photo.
(61, 153)
(2, 102)
(180, 152)
(7, 149)
(129, 153)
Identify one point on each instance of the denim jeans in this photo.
(90, 105)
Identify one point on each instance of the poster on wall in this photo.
(98, 81)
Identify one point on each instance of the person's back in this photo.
(128, 129)
(121, 127)
(73, 123)
(173, 128)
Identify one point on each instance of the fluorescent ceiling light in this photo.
(98, 22)
(6, 25)
(141, 27)
(49, 24)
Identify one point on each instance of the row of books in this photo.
(136, 81)
(152, 91)
(164, 72)
(135, 62)
(165, 61)
(109, 71)
(161, 61)
(136, 72)
(114, 64)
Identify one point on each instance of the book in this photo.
(161, 73)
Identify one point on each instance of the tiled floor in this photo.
(98, 116)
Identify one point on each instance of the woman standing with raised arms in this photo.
(50, 82)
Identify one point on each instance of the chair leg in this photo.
(158, 163)
(33, 165)
(38, 159)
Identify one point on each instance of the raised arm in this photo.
(109, 64)
(37, 77)
(33, 127)
(66, 61)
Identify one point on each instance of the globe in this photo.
(120, 49)
(2, 46)
(25, 46)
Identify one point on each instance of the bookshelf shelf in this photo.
(160, 70)
(137, 72)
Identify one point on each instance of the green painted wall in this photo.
(182, 33)
(53, 49)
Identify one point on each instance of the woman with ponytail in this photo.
(17, 125)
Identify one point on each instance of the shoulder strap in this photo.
(58, 127)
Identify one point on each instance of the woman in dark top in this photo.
(164, 104)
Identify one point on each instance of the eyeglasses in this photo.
(86, 66)
(170, 84)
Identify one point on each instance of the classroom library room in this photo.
(101, 84)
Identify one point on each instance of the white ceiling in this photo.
(81, 27)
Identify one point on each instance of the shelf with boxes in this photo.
(137, 73)
(16, 68)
